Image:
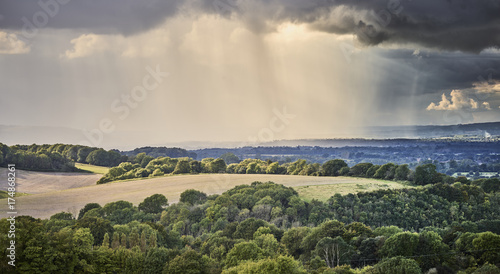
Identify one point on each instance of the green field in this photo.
(5, 194)
(323, 192)
(468, 175)
(93, 169)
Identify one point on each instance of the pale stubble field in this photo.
(51, 193)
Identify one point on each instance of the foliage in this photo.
(267, 228)
(153, 204)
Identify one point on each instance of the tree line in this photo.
(267, 228)
(143, 166)
(57, 157)
(62, 157)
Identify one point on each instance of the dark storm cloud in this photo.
(465, 25)
(446, 71)
(98, 16)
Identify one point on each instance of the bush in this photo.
(158, 172)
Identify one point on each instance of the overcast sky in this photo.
(157, 72)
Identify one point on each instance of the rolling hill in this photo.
(45, 203)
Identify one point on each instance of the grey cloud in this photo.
(99, 16)
(445, 71)
(464, 25)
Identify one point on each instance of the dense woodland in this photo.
(442, 225)
(142, 166)
(267, 228)
(57, 157)
(448, 157)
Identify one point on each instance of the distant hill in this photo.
(50, 135)
(161, 152)
(431, 131)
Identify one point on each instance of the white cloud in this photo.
(86, 45)
(487, 86)
(149, 44)
(459, 100)
(10, 44)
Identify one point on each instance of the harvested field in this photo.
(34, 182)
(44, 205)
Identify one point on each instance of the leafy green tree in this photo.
(334, 251)
(119, 212)
(487, 269)
(253, 168)
(123, 240)
(62, 216)
(400, 244)
(491, 185)
(135, 261)
(231, 168)
(332, 167)
(330, 229)
(344, 171)
(116, 171)
(244, 251)
(195, 167)
(127, 166)
(156, 258)
(386, 171)
(105, 241)
(425, 174)
(292, 240)
(273, 168)
(360, 169)
(153, 240)
(397, 265)
(153, 204)
(402, 173)
(182, 167)
(193, 197)
(142, 172)
(115, 243)
(268, 243)
(189, 262)
(489, 244)
(83, 153)
(138, 158)
(387, 231)
(217, 246)
(134, 240)
(143, 243)
(247, 228)
(368, 250)
(431, 243)
(357, 229)
(98, 157)
(279, 265)
(97, 226)
(146, 160)
(158, 172)
(372, 170)
(230, 158)
(82, 249)
(102, 260)
(218, 166)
